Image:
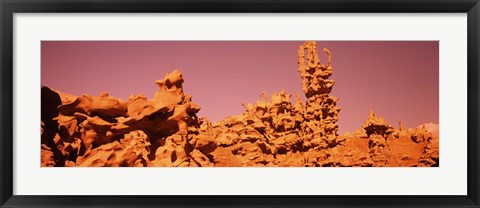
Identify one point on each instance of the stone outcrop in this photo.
(320, 113)
(104, 131)
(107, 131)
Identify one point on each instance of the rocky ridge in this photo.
(165, 130)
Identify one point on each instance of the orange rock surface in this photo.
(103, 131)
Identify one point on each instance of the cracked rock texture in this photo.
(104, 131)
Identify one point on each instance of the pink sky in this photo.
(398, 79)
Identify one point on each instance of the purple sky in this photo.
(398, 79)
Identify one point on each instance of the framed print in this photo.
(241, 104)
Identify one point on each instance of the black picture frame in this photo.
(9, 7)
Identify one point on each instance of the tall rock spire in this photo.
(321, 110)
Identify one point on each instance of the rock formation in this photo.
(106, 131)
(321, 113)
(103, 131)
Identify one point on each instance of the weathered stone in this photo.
(165, 130)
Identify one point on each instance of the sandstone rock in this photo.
(130, 151)
(321, 112)
(47, 157)
(376, 125)
(227, 139)
(103, 131)
(103, 106)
